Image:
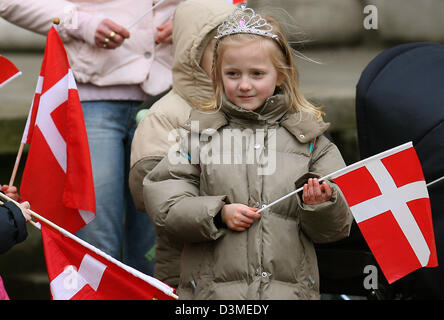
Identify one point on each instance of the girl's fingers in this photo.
(240, 219)
(252, 214)
(310, 188)
(313, 191)
(304, 193)
(326, 189)
(317, 193)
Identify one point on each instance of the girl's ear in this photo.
(280, 80)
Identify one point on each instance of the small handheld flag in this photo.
(8, 71)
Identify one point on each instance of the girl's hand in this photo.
(239, 217)
(315, 193)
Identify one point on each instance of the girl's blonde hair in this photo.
(282, 60)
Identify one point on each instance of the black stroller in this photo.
(399, 98)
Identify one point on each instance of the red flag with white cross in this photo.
(236, 1)
(79, 271)
(8, 71)
(388, 197)
(57, 179)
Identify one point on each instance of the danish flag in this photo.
(79, 271)
(57, 178)
(8, 71)
(236, 1)
(388, 197)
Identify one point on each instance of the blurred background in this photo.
(341, 36)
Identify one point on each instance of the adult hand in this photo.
(11, 192)
(25, 206)
(315, 193)
(239, 217)
(165, 34)
(110, 35)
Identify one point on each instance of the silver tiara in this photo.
(245, 20)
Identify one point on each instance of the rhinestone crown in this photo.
(245, 20)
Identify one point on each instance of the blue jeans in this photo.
(118, 228)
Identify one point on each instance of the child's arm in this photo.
(172, 199)
(325, 217)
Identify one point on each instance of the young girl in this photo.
(260, 119)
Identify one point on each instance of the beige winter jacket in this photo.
(139, 61)
(193, 21)
(275, 258)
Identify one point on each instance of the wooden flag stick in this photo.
(346, 169)
(56, 21)
(152, 281)
(4, 196)
(435, 181)
(143, 15)
(16, 165)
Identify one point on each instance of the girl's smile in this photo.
(248, 74)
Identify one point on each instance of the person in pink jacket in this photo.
(121, 55)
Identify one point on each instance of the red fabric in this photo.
(55, 192)
(382, 232)
(8, 71)
(64, 257)
(349, 186)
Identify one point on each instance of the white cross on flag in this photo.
(8, 71)
(78, 271)
(388, 197)
(57, 178)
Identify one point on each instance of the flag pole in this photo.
(55, 21)
(338, 172)
(434, 181)
(16, 164)
(143, 15)
(152, 281)
(355, 165)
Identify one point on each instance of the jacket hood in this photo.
(302, 125)
(193, 22)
